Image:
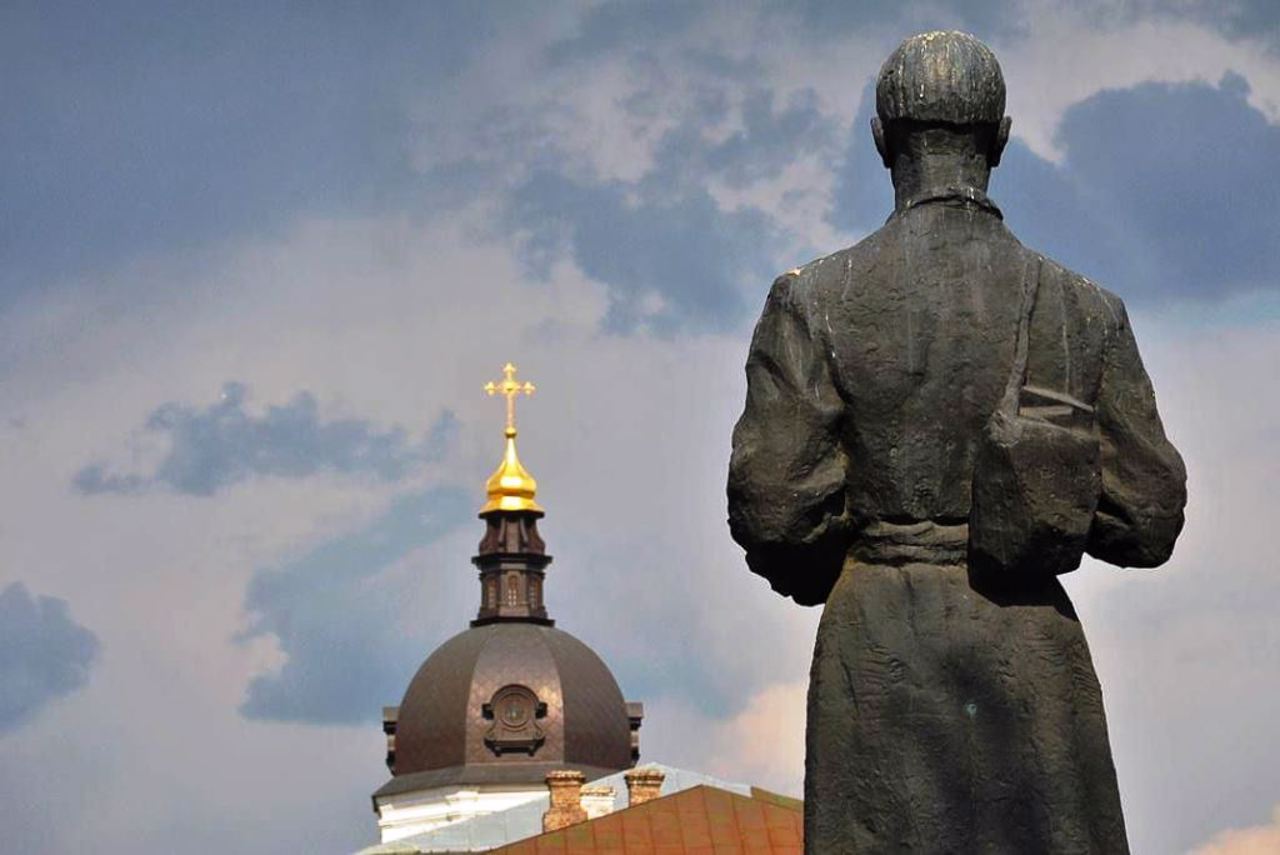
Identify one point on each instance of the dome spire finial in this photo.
(510, 389)
(510, 487)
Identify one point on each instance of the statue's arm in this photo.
(1144, 487)
(787, 473)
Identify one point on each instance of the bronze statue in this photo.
(939, 421)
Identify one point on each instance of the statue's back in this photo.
(939, 421)
(920, 320)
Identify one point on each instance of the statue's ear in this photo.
(882, 144)
(1001, 140)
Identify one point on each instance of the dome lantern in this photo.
(512, 558)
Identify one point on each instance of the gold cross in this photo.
(511, 389)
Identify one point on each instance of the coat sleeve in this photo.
(787, 472)
(1140, 512)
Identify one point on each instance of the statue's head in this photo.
(945, 84)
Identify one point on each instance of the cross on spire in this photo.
(510, 388)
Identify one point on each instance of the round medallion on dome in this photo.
(514, 712)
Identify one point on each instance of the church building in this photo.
(513, 730)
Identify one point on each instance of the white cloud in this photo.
(1256, 840)
(768, 736)
(762, 745)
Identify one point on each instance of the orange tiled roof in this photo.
(702, 820)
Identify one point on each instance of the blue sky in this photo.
(259, 261)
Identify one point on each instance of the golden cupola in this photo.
(510, 487)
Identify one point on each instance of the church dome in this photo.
(500, 701)
(512, 698)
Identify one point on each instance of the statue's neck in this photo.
(915, 177)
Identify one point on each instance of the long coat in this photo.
(947, 712)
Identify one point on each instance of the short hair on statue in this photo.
(942, 76)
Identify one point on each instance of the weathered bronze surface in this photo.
(938, 421)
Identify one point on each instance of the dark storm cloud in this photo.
(1185, 176)
(134, 127)
(222, 444)
(44, 654)
(1246, 19)
(1165, 191)
(636, 27)
(665, 236)
(680, 248)
(1007, 19)
(838, 18)
(772, 137)
(618, 25)
(863, 192)
(354, 618)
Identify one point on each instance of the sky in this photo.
(258, 260)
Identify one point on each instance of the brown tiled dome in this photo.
(509, 700)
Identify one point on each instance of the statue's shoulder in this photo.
(835, 273)
(1079, 290)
